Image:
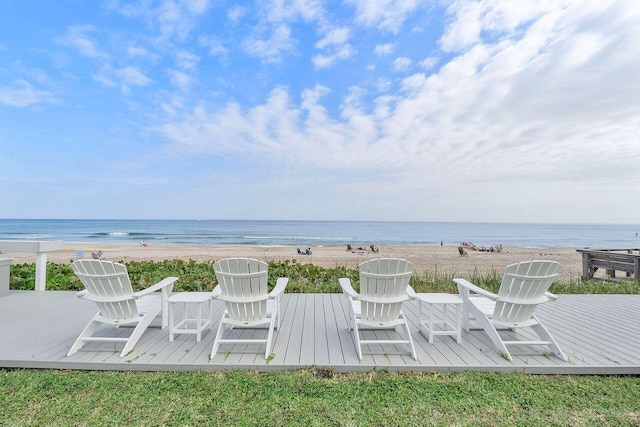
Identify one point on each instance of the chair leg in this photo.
(277, 314)
(546, 336)
(464, 294)
(88, 330)
(165, 313)
(409, 338)
(272, 325)
(216, 340)
(491, 330)
(142, 326)
(356, 338)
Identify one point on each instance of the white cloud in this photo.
(105, 77)
(401, 64)
(384, 84)
(196, 7)
(473, 21)
(131, 76)
(279, 11)
(124, 77)
(513, 116)
(429, 63)
(236, 13)
(278, 133)
(384, 49)
(272, 37)
(143, 53)
(181, 79)
(325, 61)
(187, 60)
(311, 97)
(184, 76)
(173, 18)
(22, 94)
(335, 37)
(384, 14)
(271, 49)
(214, 45)
(77, 38)
(336, 47)
(137, 51)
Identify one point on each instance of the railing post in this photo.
(5, 267)
(41, 271)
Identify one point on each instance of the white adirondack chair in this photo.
(242, 285)
(107, 284)
(384, 286)
(524, 286)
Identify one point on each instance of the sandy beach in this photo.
(425, 258)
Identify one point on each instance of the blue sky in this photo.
(496, 111)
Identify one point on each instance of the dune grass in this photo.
(314, 397)
(303, 278)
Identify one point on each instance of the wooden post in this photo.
(5, 265)
(586, 273)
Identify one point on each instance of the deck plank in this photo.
(599, 333)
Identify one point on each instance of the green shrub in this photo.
(303, 278)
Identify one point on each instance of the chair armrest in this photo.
(345, 284)
(411, 293)
(81, 294)
(94, 298)
(163, 284)
(462, 283)
(551, 296)
(281, 284)
(216, 292)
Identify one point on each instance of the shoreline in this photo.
(425, 258)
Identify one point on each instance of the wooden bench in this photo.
(611, 260)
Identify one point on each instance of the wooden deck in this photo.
(599, 333)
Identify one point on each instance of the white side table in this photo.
(428, 325)
(194, 325)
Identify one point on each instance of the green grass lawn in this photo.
(314, 397)
(310, 396)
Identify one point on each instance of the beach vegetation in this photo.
(197, 276)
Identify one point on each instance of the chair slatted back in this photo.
(243, 286)
(110, 282)
(523, 287)
(383, 288)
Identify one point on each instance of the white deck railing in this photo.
(40, 247)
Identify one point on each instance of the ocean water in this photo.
(321, 233)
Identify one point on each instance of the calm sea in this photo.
(321, 233)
